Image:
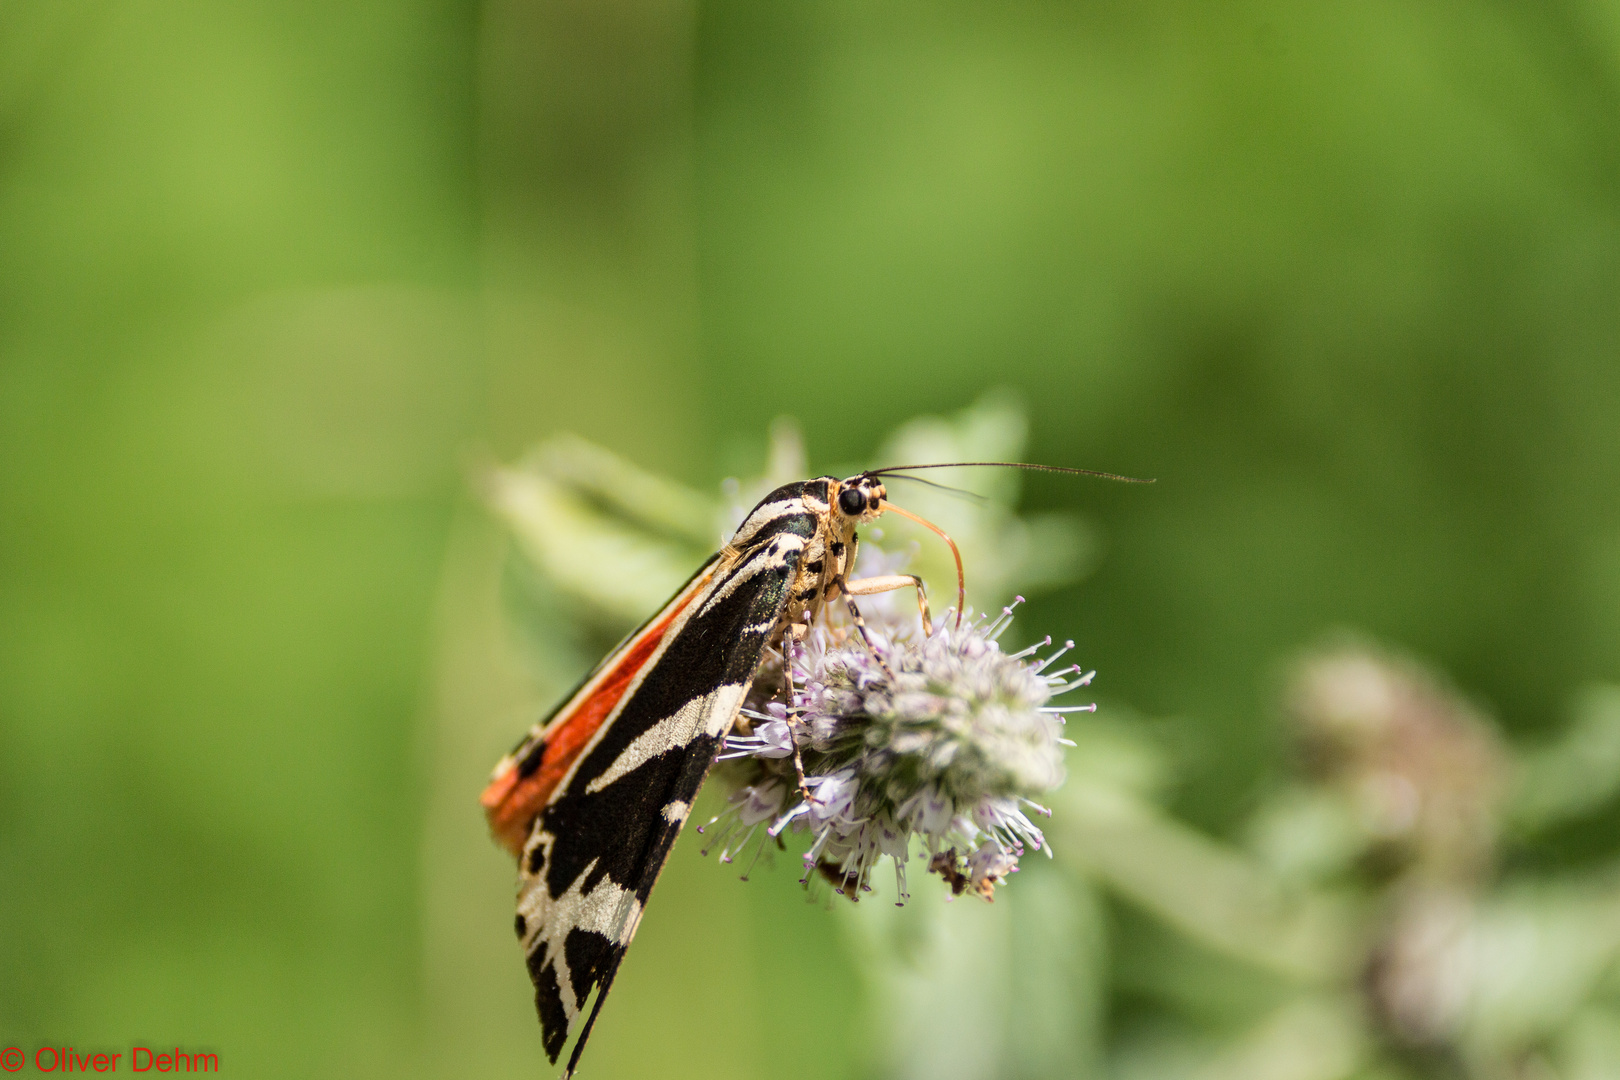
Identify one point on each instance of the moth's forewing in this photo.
(599, 796)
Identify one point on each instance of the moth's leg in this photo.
(860, 628)
(889, 583)
(796, 633)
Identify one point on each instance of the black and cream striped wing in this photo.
(596, 849)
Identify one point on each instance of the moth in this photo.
(592, 799)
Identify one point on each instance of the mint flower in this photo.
(946, 739)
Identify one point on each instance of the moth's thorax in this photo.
(815, 521)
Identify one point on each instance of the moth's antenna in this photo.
(971, 496)
(1011, 465)
(961, 579)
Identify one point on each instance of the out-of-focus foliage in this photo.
(1416, 949)
(275, 277)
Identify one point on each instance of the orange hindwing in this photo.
(525, 779)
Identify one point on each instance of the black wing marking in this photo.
(595, 852)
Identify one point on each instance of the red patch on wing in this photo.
(510, 802)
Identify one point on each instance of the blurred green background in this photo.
(274, 276)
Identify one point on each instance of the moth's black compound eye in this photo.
(852, 501)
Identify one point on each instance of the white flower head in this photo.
(945, 738)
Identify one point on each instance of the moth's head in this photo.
(862, 498)
(858, 500)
